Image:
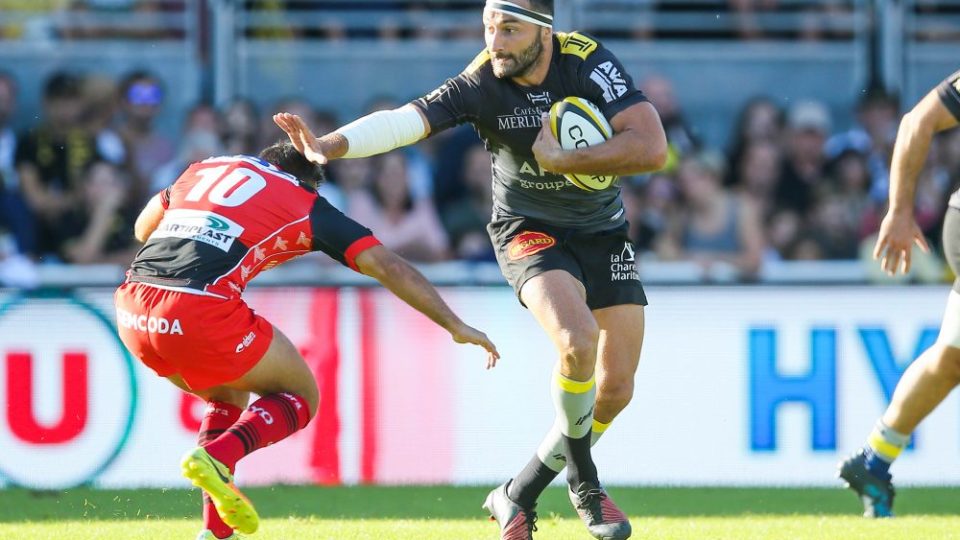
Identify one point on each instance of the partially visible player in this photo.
(936, 371)
(565, 251)
(180, 311)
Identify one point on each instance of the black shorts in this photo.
(602, 261)
(951, 243)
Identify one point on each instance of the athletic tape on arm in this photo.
(382, 131)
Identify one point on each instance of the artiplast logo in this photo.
(67, 391)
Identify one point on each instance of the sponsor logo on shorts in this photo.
(623, 265)
(247, 340)
(527, 243)
(199, 225)
(150, 325)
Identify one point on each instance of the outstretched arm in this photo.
(899, 229)
(373, 134)
(410, 286)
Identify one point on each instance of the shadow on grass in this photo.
(444, 502)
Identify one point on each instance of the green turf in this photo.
(408, 513)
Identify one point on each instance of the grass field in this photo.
(450, 513)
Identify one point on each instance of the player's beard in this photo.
(520, 64)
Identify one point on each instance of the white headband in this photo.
(520, 12)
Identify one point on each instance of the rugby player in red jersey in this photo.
(565, 251)
(180, 311)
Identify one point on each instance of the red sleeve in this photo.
(358, 247)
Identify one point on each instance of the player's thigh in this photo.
(238, 398)
(621, 340)
(281, 369)
(557, 301)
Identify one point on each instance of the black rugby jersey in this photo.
(507, 117)
(949, 91)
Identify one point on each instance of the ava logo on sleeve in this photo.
(610, 80)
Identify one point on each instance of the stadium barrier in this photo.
(771, 384)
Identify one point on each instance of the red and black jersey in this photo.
(226, 219)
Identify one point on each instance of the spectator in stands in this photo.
(452, 146)
(16, 270)
(759, 120)
(204, 117)
(403, 224)
(8, 138)
(465, 220)
(201, 139)
(241, 123)
(346, 176)
(878, 115)
(713, 225)
(105, 236)
(270, 133)
(648, 203)
(99, 112)
(195, 145)
(51, 160)
(419, 169)
(808, 124)
(842, 208)
(680, 136)
(758, 175)
(141, 101)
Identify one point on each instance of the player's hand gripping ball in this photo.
(577, 123)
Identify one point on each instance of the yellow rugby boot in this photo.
(214, 477)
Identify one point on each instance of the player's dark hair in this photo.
(286, 157)
(542, 6)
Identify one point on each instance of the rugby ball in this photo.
(577, 123)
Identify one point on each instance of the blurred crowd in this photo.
(788, 187)
(805, 20)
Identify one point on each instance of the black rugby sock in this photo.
(580, 466)
(526, 487)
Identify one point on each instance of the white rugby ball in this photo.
(577, 123)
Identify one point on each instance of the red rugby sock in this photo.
(267, 420)
(217, 418)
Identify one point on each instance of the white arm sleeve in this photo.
(383, 131)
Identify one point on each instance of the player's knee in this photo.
(613, 397)
(579, 346)
(237, 398)
(311, 395)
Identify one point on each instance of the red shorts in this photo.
(207, 340)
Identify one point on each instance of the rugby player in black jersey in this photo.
(565, 251)
(936, 372)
